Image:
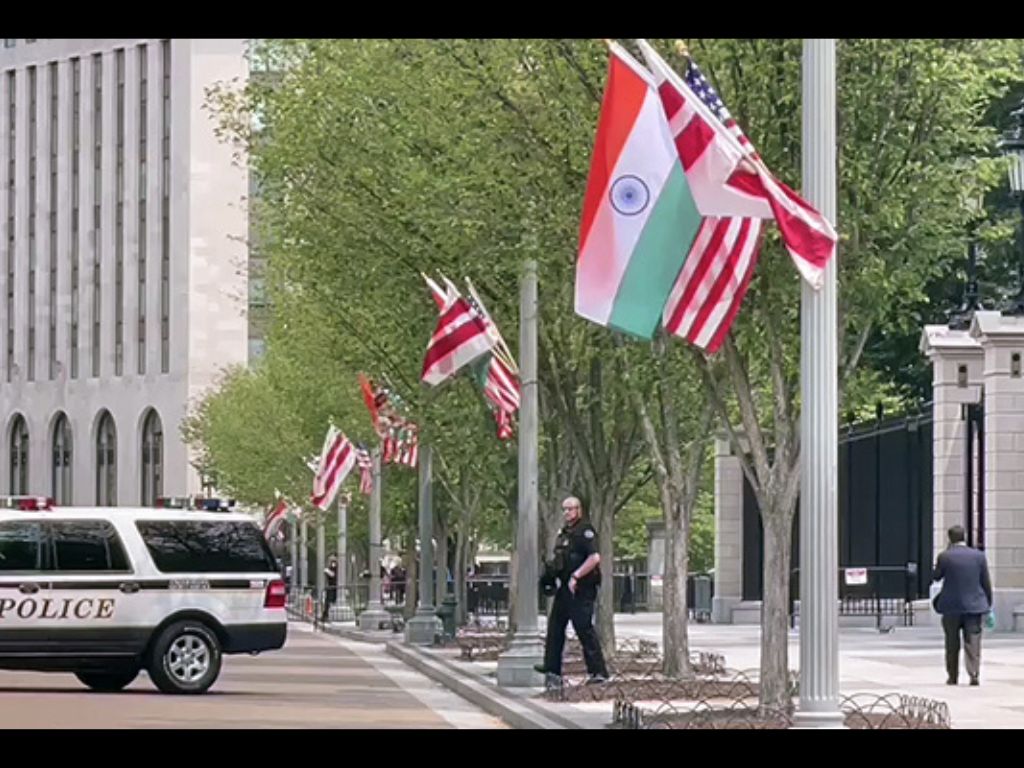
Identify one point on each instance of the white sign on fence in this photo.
(855, 576)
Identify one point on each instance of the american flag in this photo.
(711, 287)
(365, 462)
(700, 86)
(501, 386)
(336, 460)
(729, 179)
(460, 337)
(277, 515)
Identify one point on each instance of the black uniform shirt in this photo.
(574, 545)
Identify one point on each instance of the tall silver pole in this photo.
(304, 552)
(321, 557)
(293, 546)
(342, 571)
(819, 424)
(424, 626)
(374, 616)
(515, 666)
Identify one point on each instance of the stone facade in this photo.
(197, 296)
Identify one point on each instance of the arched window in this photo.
(61, 476)
(19, 456)
(106, 461)
(152, 459)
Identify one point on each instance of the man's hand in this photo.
(572, 584)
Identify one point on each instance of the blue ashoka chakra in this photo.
(629, 195)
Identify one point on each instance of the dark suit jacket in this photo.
(966, 586)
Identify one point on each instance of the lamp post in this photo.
(960, 319)
(1012, 146)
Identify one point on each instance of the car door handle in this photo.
(28, 589)
(129, 587)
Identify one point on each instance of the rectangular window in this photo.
(30, 363)
(11, 168)
(143, 128)
(76, 124)
(87, 545)
(165, 212)
(206, 547)
(97, 235)
(53, 221)
(119, 224)
(20, 549)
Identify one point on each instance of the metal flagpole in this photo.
(424, 626)
(515, 666)
(375, 615)
(819, 424)
(342, 574)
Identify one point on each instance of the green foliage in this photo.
(702, 533)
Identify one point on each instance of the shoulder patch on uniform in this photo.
(588, 534)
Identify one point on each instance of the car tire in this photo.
(185, 658)
(107, 680)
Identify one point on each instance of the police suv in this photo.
(104, 592)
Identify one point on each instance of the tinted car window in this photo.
(87, 545)
(19, 546)
(188, 547)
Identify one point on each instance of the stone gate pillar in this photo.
(728, 533)
(957, 366)
(1002, 341)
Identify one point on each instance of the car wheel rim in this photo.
(188, 658)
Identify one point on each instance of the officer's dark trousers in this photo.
(579, 609)
(970, 625)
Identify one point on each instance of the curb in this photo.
(359, 635)
(515, 711)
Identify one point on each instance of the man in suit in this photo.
(965, 599)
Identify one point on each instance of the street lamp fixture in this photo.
(1012, 146)
(960, 319)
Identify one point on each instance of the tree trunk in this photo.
(460, 576)
(675, 615)
(778, 528)
(601, 519)
(440, 564)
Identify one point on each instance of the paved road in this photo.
(314, 681)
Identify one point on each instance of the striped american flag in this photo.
(336, 460)
(459, 338)
(365, 462)
(728, 178)
(710, 288)
(501, 386)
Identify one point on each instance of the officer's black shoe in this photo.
(552, 682)
(540, 668)
(597, 679)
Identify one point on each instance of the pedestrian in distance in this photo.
(964, 601)
(331, 596)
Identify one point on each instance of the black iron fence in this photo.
(869, 591)
(885, 500)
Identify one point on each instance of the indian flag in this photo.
(639, 219)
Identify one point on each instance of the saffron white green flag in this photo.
(639, 218)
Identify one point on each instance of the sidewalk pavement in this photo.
(905, 660)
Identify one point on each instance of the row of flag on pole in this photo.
(674, 209)
(670, 235)
(466, 337)
(339, 455)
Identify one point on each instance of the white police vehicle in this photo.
(105, 592)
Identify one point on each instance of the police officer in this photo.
(575, 575)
